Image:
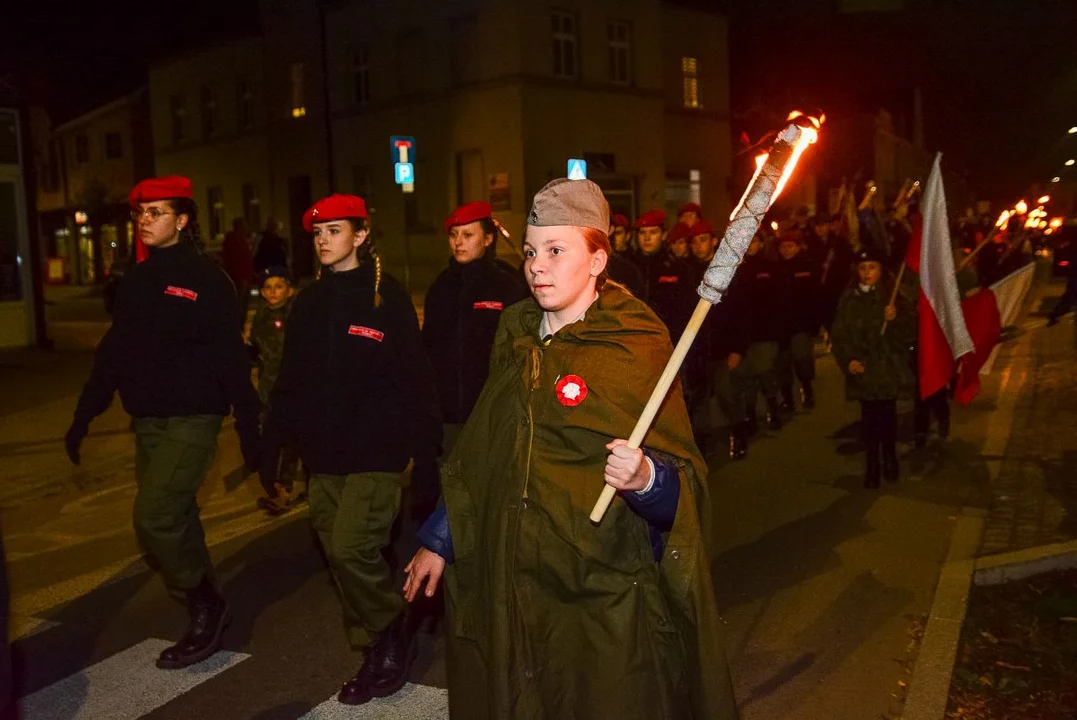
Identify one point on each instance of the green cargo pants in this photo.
(353, 516)
(172, 457)
(797, 358)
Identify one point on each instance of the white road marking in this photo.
(414, 702)
(124, 686)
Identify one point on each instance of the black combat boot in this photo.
(386, 664)
(774, 418)
(807, 395)
(209, 617)
(787, 399)
(738, 441)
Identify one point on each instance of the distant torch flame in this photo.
(1003, 220)
(1056, 222)
(1021, 207)
(809, 135)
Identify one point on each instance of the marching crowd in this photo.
(500, 413)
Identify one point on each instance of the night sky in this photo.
(998, 77)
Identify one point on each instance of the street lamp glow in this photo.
(1056, 178)
(1073, 130)
(1044, 200)
(1070, 162)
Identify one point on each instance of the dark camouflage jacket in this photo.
(267, 341)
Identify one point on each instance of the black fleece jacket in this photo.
(174, 347)
(355, 386)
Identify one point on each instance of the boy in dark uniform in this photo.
(669, 291)
(267, 345)
(175, 355)
(802, 291)
(355, 390)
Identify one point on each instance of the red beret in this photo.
(620, 220)
(334, 207)
(680, 231)
(701, 228)
(162, 188)
(690, 207)
(652, 218)
(468, 213)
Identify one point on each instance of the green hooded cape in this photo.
(550, 615)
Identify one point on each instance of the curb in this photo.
(1007, 567)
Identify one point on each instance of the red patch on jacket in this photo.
(571, 390)
(489, 305)
(279, 324)
(366, 332)
(669, 278)
(181, 292)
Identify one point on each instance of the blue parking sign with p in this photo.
(405, 173)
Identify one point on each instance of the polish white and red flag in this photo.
(986, 313)
(943, 336)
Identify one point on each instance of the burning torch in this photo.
(772, 172)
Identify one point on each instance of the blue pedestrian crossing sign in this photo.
(577, 169)
(405, 173)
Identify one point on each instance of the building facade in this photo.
(85, 169)
(497, 95)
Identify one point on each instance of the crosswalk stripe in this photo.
(21, 627)
(413, 702)
(124, 686)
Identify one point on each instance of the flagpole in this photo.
(894, 293)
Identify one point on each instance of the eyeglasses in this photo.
(154, 214)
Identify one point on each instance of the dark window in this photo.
(465, 50)
(619, 38)
(209, 113)
(113, 145)
(361, 74)
(563, 32)
(82, 149)
(178, 106)
(244, 103)
(215, 208)
(252, 207)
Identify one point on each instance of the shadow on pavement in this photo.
(789, 559)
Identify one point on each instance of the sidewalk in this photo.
(1034, 497)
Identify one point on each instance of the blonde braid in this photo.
(377, 278)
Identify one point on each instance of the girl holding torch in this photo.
(550, 615)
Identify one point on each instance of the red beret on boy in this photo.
(701, 228)
(162, 188)
(334, 207)
(620, 220)
(680, 231)
(652, 218)
(690, 207)
(468, 213)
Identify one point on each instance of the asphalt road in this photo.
(822, 584)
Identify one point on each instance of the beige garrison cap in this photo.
(579, 203)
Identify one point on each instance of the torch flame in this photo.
(1003, 220)
(1056, 222)
(809, 134)
(1021, 207)
(1044, 200)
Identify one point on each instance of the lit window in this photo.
(690, 73)
(563, 30)
(299, 90)
(619, 37)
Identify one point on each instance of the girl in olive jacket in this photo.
(875, 362)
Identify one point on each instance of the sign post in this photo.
(402, 148)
